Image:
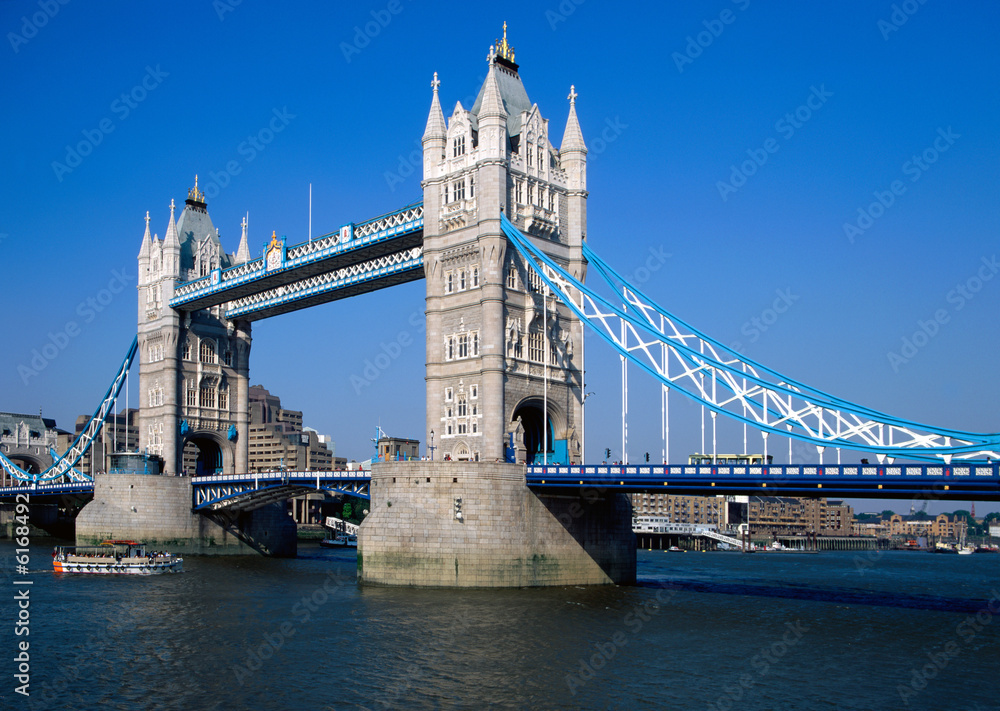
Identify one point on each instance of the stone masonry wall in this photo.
(157, 510)
(508, 536)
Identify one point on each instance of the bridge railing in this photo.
(899, 471)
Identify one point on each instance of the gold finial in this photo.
(194, 193)
(504, 49)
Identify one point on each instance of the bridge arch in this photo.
(532, 411)
(206, 453)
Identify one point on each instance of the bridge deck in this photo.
(883, 481)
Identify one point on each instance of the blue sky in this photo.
(732, 140)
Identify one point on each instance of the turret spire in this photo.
(573, 137)
(435, 119)
(243, 253)
(146, 241)
(492, 105)
(172, 240)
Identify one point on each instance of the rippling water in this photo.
(701, 631)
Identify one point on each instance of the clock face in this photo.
(274, 258)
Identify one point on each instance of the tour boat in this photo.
(340, 540)
(114, 558)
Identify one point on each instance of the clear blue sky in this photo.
(845, 101)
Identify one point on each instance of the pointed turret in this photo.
(492, 106)
(435, 128)
(573, 137)
(243, 253)
(171, 247)
(146, 242)
(436, 134)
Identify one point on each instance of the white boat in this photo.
(340, 540)
(114, 558)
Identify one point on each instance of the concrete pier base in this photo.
(157, 510)
(507, 536)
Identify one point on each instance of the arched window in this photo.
(207, 351)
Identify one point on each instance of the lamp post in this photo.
(431, 447)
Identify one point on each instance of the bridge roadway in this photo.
(962, 481)
(955, 482)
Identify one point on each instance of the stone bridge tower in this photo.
(194, 367)
(492, 391)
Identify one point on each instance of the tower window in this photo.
(472, 186)
(458, 146)
(207, 352)
(459, 189)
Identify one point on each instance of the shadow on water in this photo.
(844, 596)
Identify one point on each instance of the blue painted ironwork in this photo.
(81, 444)
(246, 492)
(57, 488)
(968, 480)
(653, 339)
(394, 232)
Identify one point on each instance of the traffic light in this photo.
(458, 508)
(607, 453)
(647, 457)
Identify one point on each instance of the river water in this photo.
(775, 630)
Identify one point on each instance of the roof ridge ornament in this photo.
(504, 50)
(194, 193)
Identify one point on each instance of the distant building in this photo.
(393, 448)
(940, 526)
(794, 516)
(703, 510)
(118, 434)
(26, 441)
(278, 441)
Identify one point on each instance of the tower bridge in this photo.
(500, 239)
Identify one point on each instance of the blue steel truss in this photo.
(357, 258)
(708, 372)
(63, 467)
(246, 492)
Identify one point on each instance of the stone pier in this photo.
(157, 510)
(506, 536)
